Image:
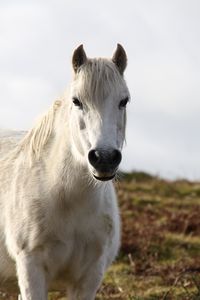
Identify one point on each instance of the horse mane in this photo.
(38, 136)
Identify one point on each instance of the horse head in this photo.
(98, 96)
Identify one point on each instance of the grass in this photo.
(160, 252)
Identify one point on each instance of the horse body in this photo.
(60, 224)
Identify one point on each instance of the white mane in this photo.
(38, 136)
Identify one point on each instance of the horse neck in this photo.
(61, 164)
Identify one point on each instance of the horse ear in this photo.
(79, 58)
(120, 58)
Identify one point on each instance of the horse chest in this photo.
(80, 237)
(81, 229)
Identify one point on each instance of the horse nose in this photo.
(104, 159)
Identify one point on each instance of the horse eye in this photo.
(77, 103)
(123, 102)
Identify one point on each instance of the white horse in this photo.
(59, 225)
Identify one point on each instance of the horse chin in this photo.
(104, 178)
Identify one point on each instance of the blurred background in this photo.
(163, 45)
(160, 250)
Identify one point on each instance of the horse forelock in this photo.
(97, 79)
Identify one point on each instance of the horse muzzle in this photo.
(104, 163)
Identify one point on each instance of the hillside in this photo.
(160, 252)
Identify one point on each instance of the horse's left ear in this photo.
(79, 58)
(120, 58)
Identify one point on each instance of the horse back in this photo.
(9, 140)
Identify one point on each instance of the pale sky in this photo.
(162, 40)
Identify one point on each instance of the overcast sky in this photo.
(162, 40)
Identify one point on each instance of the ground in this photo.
(160, 252)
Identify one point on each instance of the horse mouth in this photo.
(104, 178)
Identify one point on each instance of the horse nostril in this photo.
(94, 157)
(116, 157)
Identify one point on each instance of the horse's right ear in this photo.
(79, 58)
